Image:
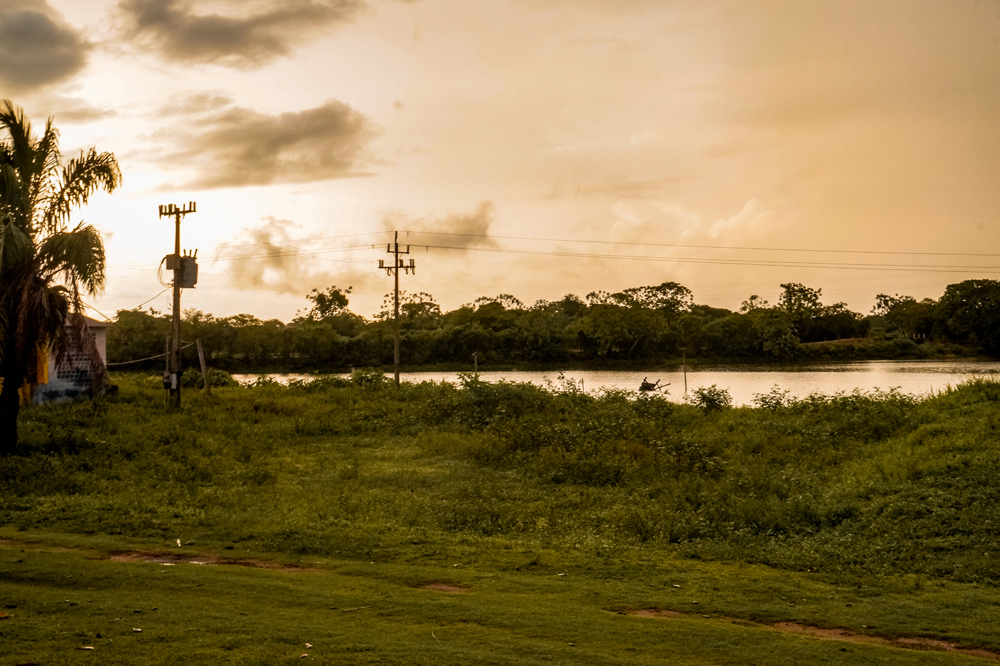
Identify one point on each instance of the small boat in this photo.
(647, 386)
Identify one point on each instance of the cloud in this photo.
(233, 147)
(76, 110)
(644, 219)
(37, 47)
(269, 257)
(454, 230)
(249, 35)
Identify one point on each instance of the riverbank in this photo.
(742, 382)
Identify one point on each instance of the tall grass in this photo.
(860, 483)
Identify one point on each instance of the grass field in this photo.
(501, 523)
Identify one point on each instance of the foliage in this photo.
(971, 310)
(44, 263)
(851, 484)
(710, 398)
(329, 303)
(216, 378)
(636, 325)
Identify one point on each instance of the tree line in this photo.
(634, 325)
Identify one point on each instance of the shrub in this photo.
(710, 399)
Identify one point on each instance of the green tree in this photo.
(329, 303)
(611, 331)
(44, 264)
(138, 335)
(904, 315)
(970, 310)
(668, 297)
(417, 310)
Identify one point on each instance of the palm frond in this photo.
(78, 180)
(16, 251)
(77, 256)
(18, 127)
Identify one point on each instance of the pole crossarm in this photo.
(393, 270)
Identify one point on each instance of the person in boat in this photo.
(647, 386)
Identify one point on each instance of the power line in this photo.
(151, 299)
(294, 253)
(309, 239)
(712, 247)
(918, 268)
(148, 358)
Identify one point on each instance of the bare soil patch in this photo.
(204, 559)
(653, 612)
(834, 634)
(440, 586)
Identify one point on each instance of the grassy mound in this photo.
(852, 484)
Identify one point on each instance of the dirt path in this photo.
(845, 635)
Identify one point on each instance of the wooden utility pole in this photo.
(397, 263)
(173, 379)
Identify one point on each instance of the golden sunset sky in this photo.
(538, 147)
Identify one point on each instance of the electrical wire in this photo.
(154, 297)
(308, 239)
(920, 268)
(713, 247)
(294, 253)
(148, 358)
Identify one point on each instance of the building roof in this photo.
(94, 323)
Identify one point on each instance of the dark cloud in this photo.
(266, 258)
(36, 46)
(79, 111)
(233, 147)
(269, 257)
(456, 230)
(252, 34)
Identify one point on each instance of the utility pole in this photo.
(397, 263)
(185, 275)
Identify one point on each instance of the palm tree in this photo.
(44, 264)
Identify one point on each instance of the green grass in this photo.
(376, 612)
(874, 513)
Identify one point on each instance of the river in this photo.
(919, 378)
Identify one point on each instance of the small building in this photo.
(75, 374)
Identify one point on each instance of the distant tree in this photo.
(755, 302)
(813, 321)
(800, 302)
(884, 304)
(668, 297)
(506, 301)
(44, 264)
(614, 330)
(904, 315)
(416, 310)
(970, 310)
(329, 303)
(138, 335)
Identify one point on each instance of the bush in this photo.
(371, 378)
(217, 379)
(710, 399)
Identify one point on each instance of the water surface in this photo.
(918, 378)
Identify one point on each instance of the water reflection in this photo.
(743, 382)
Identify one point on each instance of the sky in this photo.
(527, 147)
